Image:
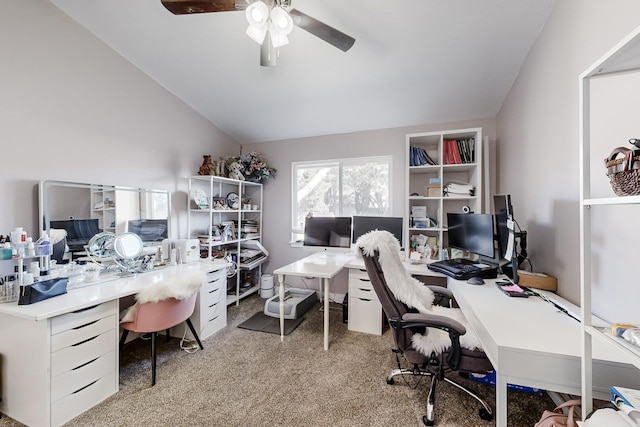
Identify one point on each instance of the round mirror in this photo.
(128, 245)
(101, 245)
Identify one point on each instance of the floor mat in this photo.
(263, 323)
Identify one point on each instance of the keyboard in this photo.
(458, 268)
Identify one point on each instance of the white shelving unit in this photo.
(113, 207)
(622, 59)
(202, 224)
(438, 204)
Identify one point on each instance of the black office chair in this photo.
(404, 324)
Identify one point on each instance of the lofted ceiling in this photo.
(414, 62)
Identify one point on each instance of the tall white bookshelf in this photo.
(622, 59)
(206, 223)
(423, 191)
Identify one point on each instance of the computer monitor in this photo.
(79, 231)
(365, 224)
(471, 232)
(331, 234)
(149, 230)
(503, 211)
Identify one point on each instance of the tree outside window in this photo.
(358, 186)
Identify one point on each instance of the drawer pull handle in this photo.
(211, 320)
(88, 385)
(85, 341)
(213, 305)
(85, 325)
(363, 270)
(214, 280)
(215, 290)
(364, 299)
(85, 309)
(364, 280)
(85, 364)
(364, 290)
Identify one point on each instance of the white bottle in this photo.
(31, 248)
(35, 270)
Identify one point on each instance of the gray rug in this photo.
(263, 323)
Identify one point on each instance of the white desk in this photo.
(531, 343)
(320, 265)
(60, 356)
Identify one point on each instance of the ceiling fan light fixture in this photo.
(277, 39)
(257, 13)
(257, 33)
(281, 20)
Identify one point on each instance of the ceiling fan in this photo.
(269, 22)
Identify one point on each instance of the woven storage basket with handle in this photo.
(624, 172)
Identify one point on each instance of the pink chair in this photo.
(152, 317)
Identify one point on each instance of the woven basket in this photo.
(624, 172)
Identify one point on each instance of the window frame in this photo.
(341, 164)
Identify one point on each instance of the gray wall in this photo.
(277, 192)
(537, 147)
(72, 109)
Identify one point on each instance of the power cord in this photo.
(188, 345)
(232, 268)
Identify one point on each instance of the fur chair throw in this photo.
(180, 287)
(414, 293)
(56, 235)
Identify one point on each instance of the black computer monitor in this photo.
(149, 230)
(331, 234)
(503, 210)
(471, 232)
(365, 224)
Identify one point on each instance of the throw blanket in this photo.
(414, 293)
(181, 287)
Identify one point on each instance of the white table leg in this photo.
(501, 400)
(327, 283)
(281, 280)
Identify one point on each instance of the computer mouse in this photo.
(475, 280)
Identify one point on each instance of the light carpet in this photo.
(248, 378)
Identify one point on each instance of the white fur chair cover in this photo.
(180, 287)
(414, 293)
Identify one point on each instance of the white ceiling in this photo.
(414, 62)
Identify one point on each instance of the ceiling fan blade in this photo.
(182, 7)
(322, 30)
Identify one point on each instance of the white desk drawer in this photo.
(76, 355)
(76, 403)
(80, 377)
(365, 316)
(83, 316)
(81, 333)
(357, 273)
(218, 275)
(214, 324)
(362, 293)
(211, 294)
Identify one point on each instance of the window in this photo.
(359, 186)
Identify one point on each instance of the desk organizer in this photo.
(296, 303)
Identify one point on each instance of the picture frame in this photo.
(219, 203)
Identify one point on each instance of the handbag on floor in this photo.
(557, 418)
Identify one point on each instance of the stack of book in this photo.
(459, 189)
(458, 151)
(418, 156)
(249, 229)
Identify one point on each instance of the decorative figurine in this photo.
(235, 171)
(208, 166)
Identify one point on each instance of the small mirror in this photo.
(101, 245)
(128, 245)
